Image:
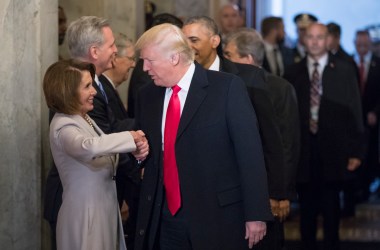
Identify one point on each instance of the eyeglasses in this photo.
(131, 58)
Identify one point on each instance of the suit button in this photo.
(149, 198)
(141, 232)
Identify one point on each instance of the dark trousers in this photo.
(174, 230)
(319, 197)
(274, 238)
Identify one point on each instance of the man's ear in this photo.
(251, 60)
(113, 62)
(94, 52)
(215, 41)
(174, 59)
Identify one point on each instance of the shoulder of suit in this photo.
(61, 120)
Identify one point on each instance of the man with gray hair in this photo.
(246, 46)
(204, 186)
(90, 39)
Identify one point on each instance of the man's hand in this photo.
(353, 164)
(275, 207)
(371, 119)
(280, 208)
(254, 232)
(142, 146)
(284, 209)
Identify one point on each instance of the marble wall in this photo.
(26, 51)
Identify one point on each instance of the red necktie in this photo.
(315, 98)
(361, 75)
(171, 180)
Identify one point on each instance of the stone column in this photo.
(27, 49)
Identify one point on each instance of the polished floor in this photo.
(360, 232)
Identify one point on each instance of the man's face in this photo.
(280, 33)
(62, 26)
(158, 65)
(362, 44)
(106, 52)
(203, 42)
(332, 42)
(316, 40)
(124, 63)
(229, 19)
(230, 51)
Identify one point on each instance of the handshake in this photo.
(142, 146)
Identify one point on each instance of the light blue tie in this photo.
(103, 92)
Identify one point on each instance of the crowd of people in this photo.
(225, 127)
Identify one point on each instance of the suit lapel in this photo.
(195, 97)
(156, 104)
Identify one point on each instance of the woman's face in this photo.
(86, 93)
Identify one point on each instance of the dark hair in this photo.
(61, 83)
(166, 18)
(334, 29)
(206, 21)
(362, 32)
(270, 23)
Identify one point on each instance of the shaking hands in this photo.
(142, 146)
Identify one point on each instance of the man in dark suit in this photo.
(333, 42)
(101, 56)
(331, 135)
(204, 184)
(277, 56)
(350, 187)
(202, 34)
(368, 66)
(246, 46)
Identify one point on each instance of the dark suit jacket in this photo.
(371, 94)
(285, 105)
(340, 127)
(114, 101)
(105, 119)
(219, 158)
(258, 91)
(297, 57)
(138, 79)
(287, 58)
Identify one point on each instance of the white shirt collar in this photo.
(185, 81)
(97, 79)
(367, 57)
(216, 64)
(269, 47)
(322, 61)
(109, 79)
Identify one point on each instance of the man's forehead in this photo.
(194, 30)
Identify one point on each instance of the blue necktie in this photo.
(103, 92)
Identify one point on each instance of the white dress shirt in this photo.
(184, 84)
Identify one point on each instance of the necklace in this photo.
(89, 121)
